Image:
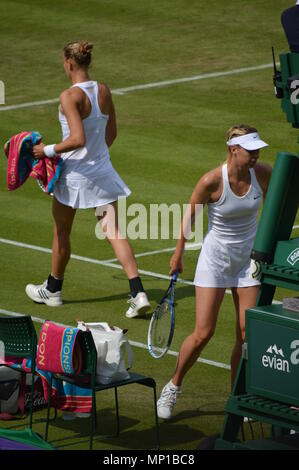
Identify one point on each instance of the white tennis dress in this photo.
(88, 178)
(224, 260)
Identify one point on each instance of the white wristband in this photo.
(49, 151)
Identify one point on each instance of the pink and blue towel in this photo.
(66, 396)
(22, 163)
(58, 349)
(59, 352)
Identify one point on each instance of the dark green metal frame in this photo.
(89, 355)
(19, 337)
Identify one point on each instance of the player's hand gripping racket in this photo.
(161, 327)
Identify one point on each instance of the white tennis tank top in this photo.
(87, 161)
(234, 218)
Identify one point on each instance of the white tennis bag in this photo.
(111, 344)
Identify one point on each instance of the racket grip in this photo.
(174, 276)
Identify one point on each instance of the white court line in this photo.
(137, 344)
(91, 260)
(194, 78)
(156, 252)
(174, 353)
(146, 86)
(115, 266)
(108, 264)
(29, 105)
(147, 253)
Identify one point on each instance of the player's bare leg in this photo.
(208, 301)
(244, 298)
(61, 247)
(139, 303)
(50, 292)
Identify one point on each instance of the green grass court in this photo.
(168, 136)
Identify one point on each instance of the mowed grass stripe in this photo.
(90, 260)
(122, 91)
(108, 264)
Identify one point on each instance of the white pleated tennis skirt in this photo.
(224, 264)
(84, 193)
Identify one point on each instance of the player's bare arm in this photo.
(263, 173)
(205, 191)
(107, 107)
(71, 105)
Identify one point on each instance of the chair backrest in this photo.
(18, 336)
(89, 353)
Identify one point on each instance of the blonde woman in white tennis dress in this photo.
(233, 193)
(88, 179)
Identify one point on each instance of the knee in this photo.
(106, 232)
(203, 336)
(62, 232)
(108, 226)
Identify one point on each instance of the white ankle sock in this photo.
(174, 387)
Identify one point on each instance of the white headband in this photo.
(250, 141)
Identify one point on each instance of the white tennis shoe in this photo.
(139, 305)
(41, 295)
(167, 400)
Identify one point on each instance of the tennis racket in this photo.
(161, 326)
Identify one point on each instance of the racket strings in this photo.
(161, 327)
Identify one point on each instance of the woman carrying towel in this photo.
(88, 179)
(233, 194)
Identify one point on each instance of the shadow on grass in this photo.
(105, 432)
(173, 434)
(141, 439)
(170, 437)
(67, 434)
(106, 427)
(154, 296)
(187, 414)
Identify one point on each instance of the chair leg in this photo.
(48, 409)
(156, 418)
(95, 412)
(117, 412)
(93, 418)
(31, 401)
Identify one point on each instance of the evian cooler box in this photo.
(272, 367)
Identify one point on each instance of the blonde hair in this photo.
(236, 131)
(240, 129)
(79, 51)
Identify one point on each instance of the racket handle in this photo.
(174, 276)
